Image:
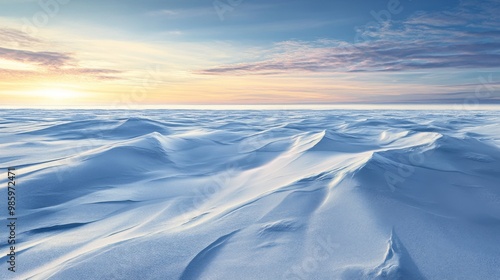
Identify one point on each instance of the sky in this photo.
(125, 53)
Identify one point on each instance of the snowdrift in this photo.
(254, 195)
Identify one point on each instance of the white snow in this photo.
(300, 194)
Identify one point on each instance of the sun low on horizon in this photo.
(90, 53)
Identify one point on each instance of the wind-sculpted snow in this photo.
(179, 194)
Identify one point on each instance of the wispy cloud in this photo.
(16, 37)
(47, 62)
(163, 13)
(465, 37)
(182, 13)
(46, 58)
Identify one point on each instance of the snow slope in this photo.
(179, 194)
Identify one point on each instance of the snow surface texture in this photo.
(253, 194)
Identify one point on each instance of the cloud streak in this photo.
(44, 58)
(47, 62)
(18, 38)
(466, 37)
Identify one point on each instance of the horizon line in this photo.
(216, 107)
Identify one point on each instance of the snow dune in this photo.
(179, 194)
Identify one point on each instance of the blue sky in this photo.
(300, 20)
(251, 51)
